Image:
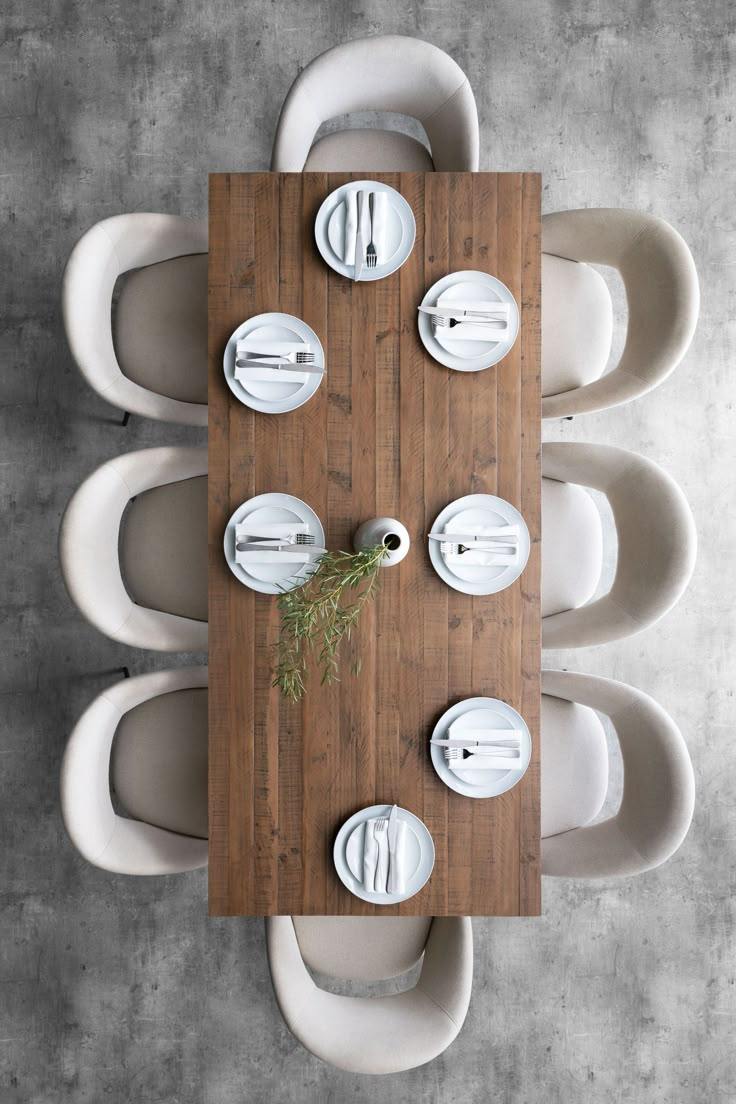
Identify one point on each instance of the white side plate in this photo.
(333, 255)
(352, 878)
(474, 713)
(273, 508)
(276, 397)
(464, 286)
(470, 513)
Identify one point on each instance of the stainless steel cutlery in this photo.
(441, 321)
(371, 257)
(359, 247)
(293, 357)
(509, 551)
(499, 313)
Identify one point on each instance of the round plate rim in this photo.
(325, 213)
(341, 839)
(260, 585)
(433, 347)
(452, 713)
(500, 582)
(281, 406)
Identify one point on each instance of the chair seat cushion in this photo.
(577, 325)
(158, 764)
(572, 547)
(160, 328)
(574, 765)
(366, 150)
(163, 548)
(362, 948)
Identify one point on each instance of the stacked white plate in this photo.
(348, 854)
(400, 231)
(476, 514)
(273, 509)
(467, 288)
(469, 719)
(278, 331)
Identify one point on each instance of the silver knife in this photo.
(359, 249)
(498, 537)
(393, 827)
(448, 312)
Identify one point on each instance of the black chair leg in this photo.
(126, 672)
(126, 418)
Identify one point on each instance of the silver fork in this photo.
(441, 322)
(380, 835)
(291, 538)
(371, 257)
(447, 548)
(284, 358)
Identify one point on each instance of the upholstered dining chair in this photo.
(146, 737)
(365, 1034)
(659, 787)
(656, 544)
(386, 73)
(133, 549)
(661, 285)
(147, 352)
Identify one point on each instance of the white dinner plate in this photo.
(467, 356)
(479, 713)
(348, 855)
(273, 508)
(470, 514)
(332, 255)
(276, 397)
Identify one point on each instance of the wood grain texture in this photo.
(389, 433)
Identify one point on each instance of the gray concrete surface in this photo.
(122, 990)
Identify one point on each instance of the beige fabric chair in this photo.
(659, 787)
(372, 1034)
(155, 362)
(386, 73)
(138, 570)
(663, 299)
(156, 728)
(656, 544)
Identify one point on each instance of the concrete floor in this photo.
(121, 989)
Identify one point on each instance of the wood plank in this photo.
(389, 433)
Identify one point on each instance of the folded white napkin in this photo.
(490, 306)
(279, 348)
(508, 736)
(380, 217)
(249, 527)
(370, 857)
(480, 558)
(471, 331)
(271, 555)
(261, 373)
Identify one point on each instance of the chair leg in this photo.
(126, 418)
(126, 672)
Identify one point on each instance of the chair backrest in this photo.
(105, 839)
(662, 294)
(659, 786)
(109, 249)
(390, 73)
(657, 542)
(376, 1034)
(89, 552)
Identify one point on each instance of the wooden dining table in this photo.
(390, 432)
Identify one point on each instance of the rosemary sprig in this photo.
(317, 616)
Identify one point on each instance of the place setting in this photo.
(481, 747)
(365, 230)
(468, 321)
(384, 854)
(273, 543)
(274, 363)
(479, 544)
